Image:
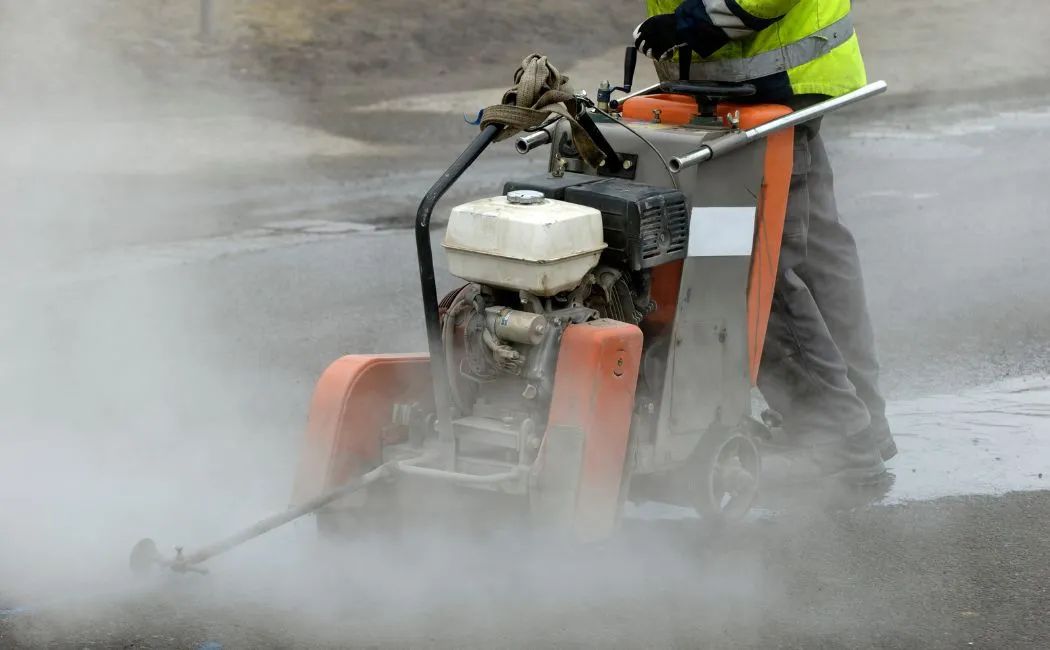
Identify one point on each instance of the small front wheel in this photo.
(726, 470)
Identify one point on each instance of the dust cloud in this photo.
(128, 411)
(121, 410)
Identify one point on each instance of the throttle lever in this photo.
(685, 62)
(630, 63)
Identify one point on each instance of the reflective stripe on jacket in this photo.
(784, 47)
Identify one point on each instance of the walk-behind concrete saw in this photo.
(607, 336)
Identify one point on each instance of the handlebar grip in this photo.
(685, 62)
(630, 63)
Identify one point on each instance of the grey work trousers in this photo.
(819, 368)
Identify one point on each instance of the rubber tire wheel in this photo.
(706, 458)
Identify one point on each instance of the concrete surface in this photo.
(183, 372)
(954, 51)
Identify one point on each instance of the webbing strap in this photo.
(540, 91)
(784, 58)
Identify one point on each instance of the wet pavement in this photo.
(1007, 428)
(159, 389)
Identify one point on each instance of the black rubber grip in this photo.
(630, 62)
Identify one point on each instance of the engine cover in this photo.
(644, 226)
(524, 241)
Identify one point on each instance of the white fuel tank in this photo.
(524, 241)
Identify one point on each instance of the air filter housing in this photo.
(644, 226)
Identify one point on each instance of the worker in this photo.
(820, 370)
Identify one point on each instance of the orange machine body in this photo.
(578, 474)
(681, 110)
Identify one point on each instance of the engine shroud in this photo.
(644, 226)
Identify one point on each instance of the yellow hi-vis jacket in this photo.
(783, 47)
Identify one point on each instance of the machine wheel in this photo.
(726, 468)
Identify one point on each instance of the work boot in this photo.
(883, 436)
(854, 461)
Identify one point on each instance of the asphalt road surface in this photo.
(158, 390)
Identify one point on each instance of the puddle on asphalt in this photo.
(988, 441)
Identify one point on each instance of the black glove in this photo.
(658, 38)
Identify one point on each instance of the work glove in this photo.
(658, 38)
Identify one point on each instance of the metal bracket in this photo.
(628, 167)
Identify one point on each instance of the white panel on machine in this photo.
(524, 241)
(722, 232)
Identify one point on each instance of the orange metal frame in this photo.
(595, 382)
(769, 223)
(349, 413)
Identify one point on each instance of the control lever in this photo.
(630, 63)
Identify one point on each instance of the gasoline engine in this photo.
(552, 251)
